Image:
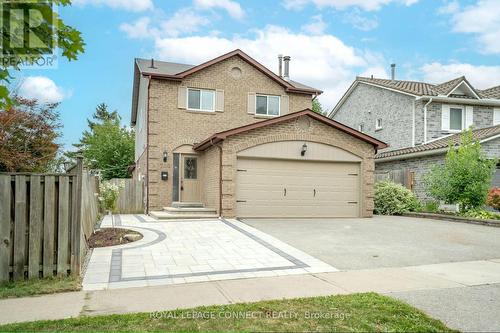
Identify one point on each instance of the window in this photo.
(190, 168)
(361, 127)
(201, 100)
(456, 118)
(267, 105)
(378, 124)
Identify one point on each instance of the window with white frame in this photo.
(378, 123)
(201, 99)
(456, 119)
(267, 105)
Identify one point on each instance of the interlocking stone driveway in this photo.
(192, 251)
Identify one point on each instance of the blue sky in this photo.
(330, 42)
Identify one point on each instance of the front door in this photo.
(190, 184)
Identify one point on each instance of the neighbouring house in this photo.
(231, 137)
(417, 120)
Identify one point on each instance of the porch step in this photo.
(164, 215)
(189, 210)
(179, 204)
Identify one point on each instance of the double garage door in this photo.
(287, 188)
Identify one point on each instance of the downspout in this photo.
(413, 126)
(147, 150)
(425, 120)
(220, 175)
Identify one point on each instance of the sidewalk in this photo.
(146, 299)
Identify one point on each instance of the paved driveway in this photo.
(384, 241)
(185, 251)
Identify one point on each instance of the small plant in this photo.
(493, 199)
(430, 207)
(394, 199)
(108, 195)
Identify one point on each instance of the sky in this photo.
(329, 41)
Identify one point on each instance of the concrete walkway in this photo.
(425, 278)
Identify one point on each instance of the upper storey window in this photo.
(267, 105)
(201, 99)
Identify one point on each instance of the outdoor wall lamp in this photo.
(165, 155)
(304, 149)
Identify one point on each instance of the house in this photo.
(231, 137)
(418, 120)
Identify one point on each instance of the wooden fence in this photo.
(131, 199)
(401, 176)
(44, 222)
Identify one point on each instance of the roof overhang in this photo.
(456, 100)
(218, 137)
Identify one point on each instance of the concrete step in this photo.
(178, 204)
(163, 215)
(189, 210)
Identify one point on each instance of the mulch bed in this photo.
(110, 237)
(454, 218)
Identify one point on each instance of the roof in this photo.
(218, 137)
(177, 71)
(493, 92)
(480, 134)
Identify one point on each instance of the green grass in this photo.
(39, 287)
(347, 313)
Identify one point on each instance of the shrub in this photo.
(394, 199)
(465, 176)
(493, 199)
(108, 195)
(481, 214)
(431, 207)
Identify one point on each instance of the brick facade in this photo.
(317, 132)
(171, 127)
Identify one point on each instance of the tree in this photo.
(46, 31)
(106, 146)
(465, 176)
(28, 136)
(317, 107)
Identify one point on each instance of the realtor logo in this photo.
(28, 33)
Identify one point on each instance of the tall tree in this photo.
(28, 136)
(47, 31)
(107, 146)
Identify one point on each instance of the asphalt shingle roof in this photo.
(480, 134)
(429, 89)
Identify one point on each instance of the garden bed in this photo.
(455, 218)
(113, 236)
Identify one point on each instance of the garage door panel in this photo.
(317, 189)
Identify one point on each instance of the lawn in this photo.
(346, 313)
(39, 286)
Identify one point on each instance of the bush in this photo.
(465, 176)
(394, 199)
(493, 199)
(481, 214)
(431, 207)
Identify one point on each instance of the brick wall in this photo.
(317, 132)
(171, 127)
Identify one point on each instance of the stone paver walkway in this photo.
(176, 252)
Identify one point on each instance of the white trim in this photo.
(425, 119)
(413, 126)
(377, 126)
(496, 116)
(462, 108)
(490, 138)
(267, 105)
(201, 93)
(468, 86)
(354, 85)
(464, 101)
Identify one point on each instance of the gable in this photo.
(463, 90)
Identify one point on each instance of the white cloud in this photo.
(367, 5)
(233, 8)
(41, 88)
(360, 21)
(450, 8)
(129, 5)
(480, 77)
(184, 21)
(316, 27)
(322, 61)
(482, 20)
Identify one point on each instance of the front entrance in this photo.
(189, 178)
